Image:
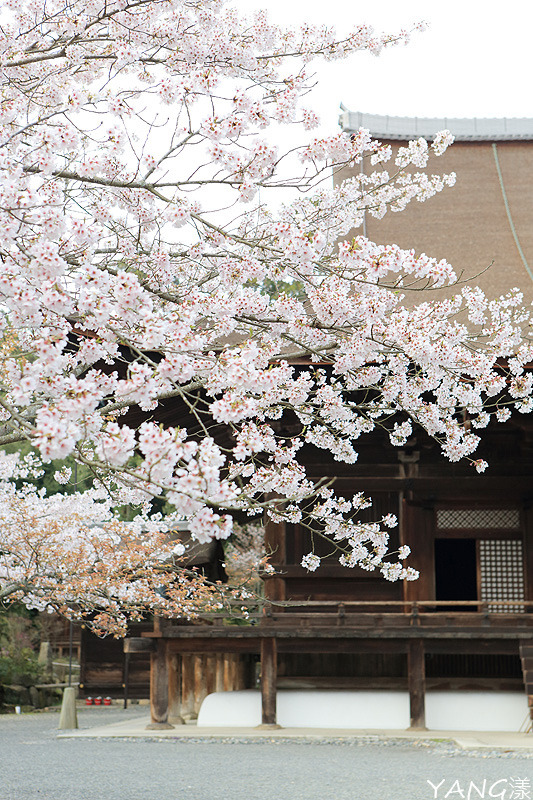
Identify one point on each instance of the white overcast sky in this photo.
(476, 59)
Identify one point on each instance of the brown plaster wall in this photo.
(467, 224)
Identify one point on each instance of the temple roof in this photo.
(473, 129)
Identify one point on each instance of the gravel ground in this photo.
(35, 765)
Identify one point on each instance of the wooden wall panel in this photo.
(375, 588)
(417, 531)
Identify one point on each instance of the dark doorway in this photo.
(456, 571)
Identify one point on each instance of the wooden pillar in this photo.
(240, 672)
(250, 672)
(418, 532)
(269, 674)
(235, 672)
(219, 680)
(526, 658)
(275, 543)
(210, 673)
(417, 683)
(229, 672)
(187, 687)
(200, 681)
(527, 516)
(174, 688)
(159, 687)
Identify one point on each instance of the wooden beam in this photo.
(473, 646)
(269, 674)
(136, 644)
(314, 646)
(159, 687)
(417, 684)
(216, 640)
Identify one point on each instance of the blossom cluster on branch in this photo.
(68, 553)
(143, 265)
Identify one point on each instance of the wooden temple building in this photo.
(467, 623)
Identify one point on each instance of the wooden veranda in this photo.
(411, 629)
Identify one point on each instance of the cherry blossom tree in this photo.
(161, 249)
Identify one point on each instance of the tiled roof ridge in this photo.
(492, 129)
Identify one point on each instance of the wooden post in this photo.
(526, 658)
(250, 673)
(240, 672)
(228, 674)
(219, 684)
(417, 684)
(418, 532)
(187, 687)
(275, 543)
(210, 673)
(174, 688)
(126, 675)
(528, 555)
(269, 674)
(200, 681)
(233, 661)
(159, 687)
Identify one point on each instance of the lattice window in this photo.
(501, 565)
(508, 518)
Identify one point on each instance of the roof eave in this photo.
(464, 129)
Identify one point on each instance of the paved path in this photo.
(134, 725)
(37, 765)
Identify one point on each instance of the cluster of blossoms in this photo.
(129, 293)
(71, 554)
